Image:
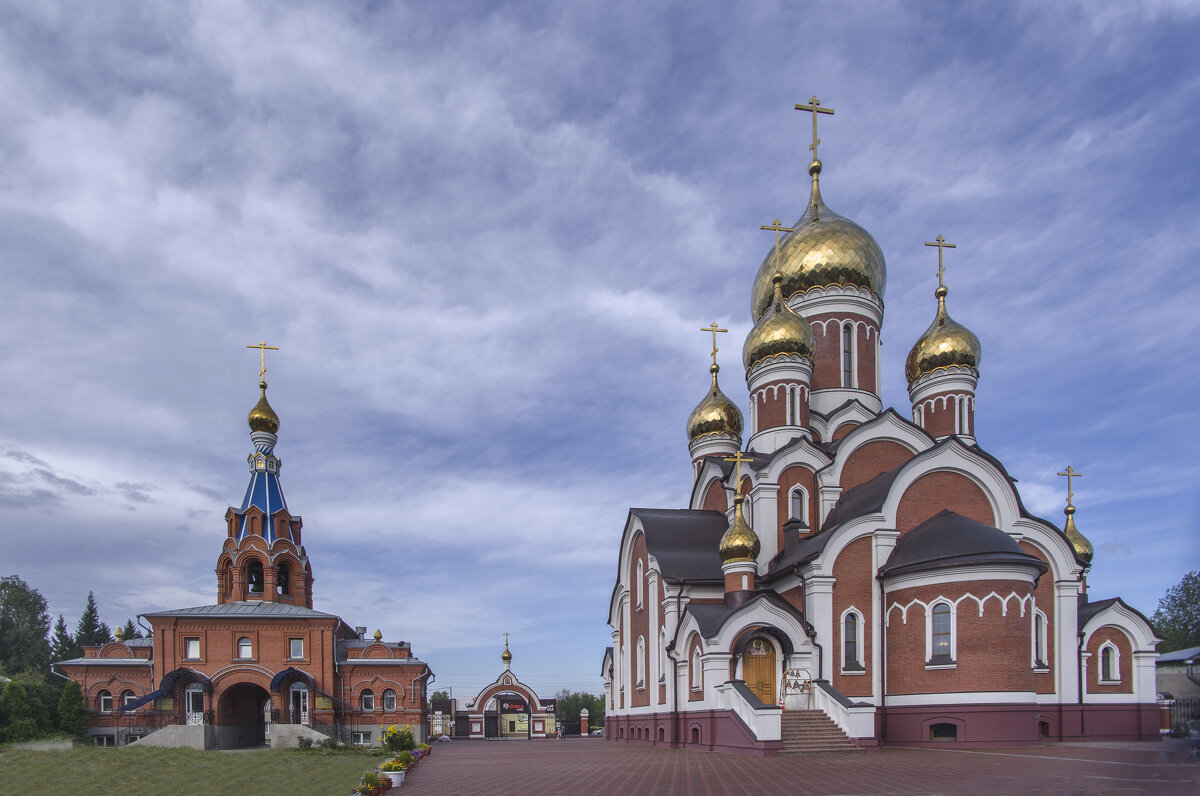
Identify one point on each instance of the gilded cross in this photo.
(941, 244)
(814, 107)
(714, 329)
(739, 458)
(777, 228)
(1070, 474)
(506, 639)
(263, 348)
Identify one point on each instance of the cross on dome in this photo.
(263, 348)
(1071, 473)
(941, 244)
(738, 458)
(814, 107)
(714, 329)
(777, 228)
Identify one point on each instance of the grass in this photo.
(131, 771)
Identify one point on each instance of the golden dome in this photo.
(739, 543)
(1083, 548)
(262, 417)
(506, 656)
(823, 249)
(779, 331)
(944, 344)
(716, 414)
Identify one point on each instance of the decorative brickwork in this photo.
(1124, 663)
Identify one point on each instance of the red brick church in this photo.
(844, 576)
(260, 665)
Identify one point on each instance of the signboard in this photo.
(323, 703)
(513, 706)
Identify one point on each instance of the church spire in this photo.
(1083, 548)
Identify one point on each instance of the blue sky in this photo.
(485, 238)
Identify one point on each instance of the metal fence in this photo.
(1183, 711)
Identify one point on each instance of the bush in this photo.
(21, 730)
(72, 712)
(396, 739)
(330, 743)
(304, 743)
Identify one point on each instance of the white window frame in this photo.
(1102, 676)
(798, 491)
(1041, 637)
(127, 696)
(366, 700)
(191, 648)
(360, 738)
(295, 645)
(848, 332)
(193, 696)
(640, 679)
(641, 578)
(105, 701)
(245, 649)
(389, 694)
(858, 667)
(953, 662)
(697, 671)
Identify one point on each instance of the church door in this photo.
(758, 669)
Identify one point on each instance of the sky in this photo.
(485, 237)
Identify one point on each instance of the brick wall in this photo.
(992, 652)
(1125, 663)
(715, 497)
(852, 587)
(879, 456)
(1043, 682)
(792, 476)
(933, 492)
(639, 623)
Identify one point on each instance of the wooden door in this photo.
(758, 669)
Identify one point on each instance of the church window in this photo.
(105, 701)
(697, 672)
(245, 648)
(641, 662)
(127, 697)
(942, 635)
(191, 649)
(367, 699)
(791, 406)
(255, 577)
(848, 355)
(798, 504)
(1039, 640)
(851, 641)
(1110, 663)
(295, 648)
(283, 579)
(389, 700)
(641, 576)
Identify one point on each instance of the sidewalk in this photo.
(594, 765)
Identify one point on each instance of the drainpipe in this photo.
(1079, 677)
(675, 669)
(882, 661)
(63, 676)
(1190, 674)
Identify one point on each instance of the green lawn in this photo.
(130, 771)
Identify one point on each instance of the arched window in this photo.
(798, 504)
(127, 696)
(254, 577)
(283, 577)
(1039, 640)
(1110, 663)
(641, 576)
(848, 355)
(641, 662)
(851, 642)
(697, 672)
(245, 648)
(389, 700)
(941, 635)
(367, 699)
(104, 701)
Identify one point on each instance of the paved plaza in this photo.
(592, 765)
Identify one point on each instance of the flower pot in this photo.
(397, 777)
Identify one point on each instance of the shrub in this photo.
(72, 712)
(304, 743)
(396, 739)
(330, 743)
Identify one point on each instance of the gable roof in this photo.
(684, 542)
(251, 609)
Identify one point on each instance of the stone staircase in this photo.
(806, 731)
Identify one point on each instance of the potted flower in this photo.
(395, 768)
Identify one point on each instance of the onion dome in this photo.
(378, 636)
(262, 417)
(823, 249)
(739, 543)
(780, 331)
(1083, 548)
(946, 343)
(714, 415)
(506, 656)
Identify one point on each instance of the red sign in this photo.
(513, 706)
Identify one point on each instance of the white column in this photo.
(818, 610)
(765, 511)
(1066, 639)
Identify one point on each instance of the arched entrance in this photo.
(507, 717)
(240, 716)
(758, 668)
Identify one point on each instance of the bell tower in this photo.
(263, 557)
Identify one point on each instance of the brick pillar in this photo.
(583, 722)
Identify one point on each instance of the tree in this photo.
(569, 703)
(62, 644)
(24, 625)
(72, 710)
(18, 716)
(1177, 620)
(130, 630)
(91, 631)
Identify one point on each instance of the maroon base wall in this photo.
(716, 731)
(1021, 725)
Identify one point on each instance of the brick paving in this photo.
(593, 765)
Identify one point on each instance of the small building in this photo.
(1177, 674)
(261, 665)
(506, 709)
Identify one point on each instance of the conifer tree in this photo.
(130, 630)
(72, 711)
(91, 631)
(62, 644)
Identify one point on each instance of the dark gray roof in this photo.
(252, 608)
(1180, 656)
(711, 618)
(949, 539)
(1090, 609)
(139, 642)
(684, 541)
(863, 499)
